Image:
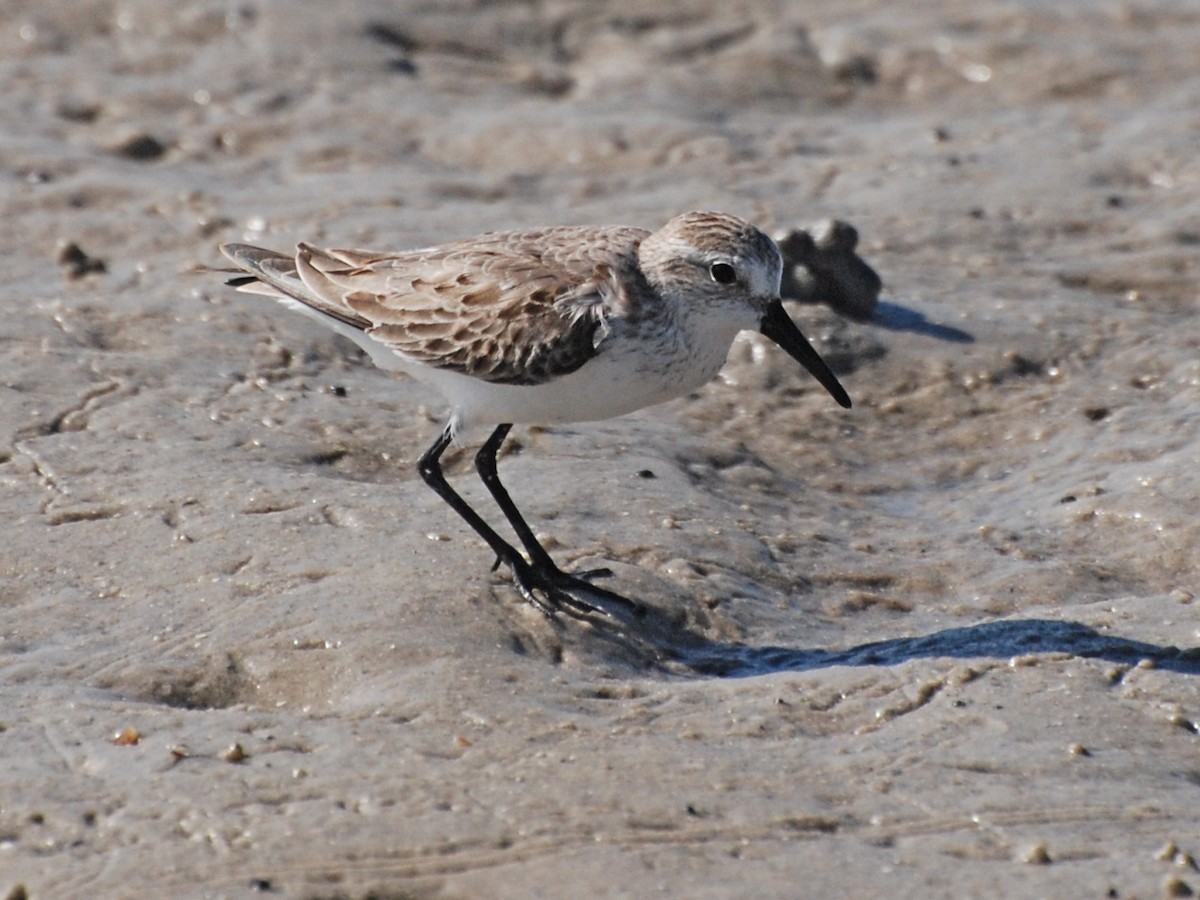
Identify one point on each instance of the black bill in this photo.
(778, 326)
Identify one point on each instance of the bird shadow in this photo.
(1003, 640)
(896, 317)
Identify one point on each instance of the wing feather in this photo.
(509, 308)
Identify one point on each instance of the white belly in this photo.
(630, 373)
(611, 384)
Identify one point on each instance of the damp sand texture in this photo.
(939, 645)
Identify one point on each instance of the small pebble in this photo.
(1037, 855)
(1167, 853)
(142, 148)
(1174, 886)
(77, 263)
(126, 737)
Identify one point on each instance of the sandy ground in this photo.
(941, 645)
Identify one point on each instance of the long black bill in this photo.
(778, 326)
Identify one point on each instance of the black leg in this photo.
(430, 467)
(545, 567)
(540, 575)
(485, 464)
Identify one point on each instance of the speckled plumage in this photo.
(552, 325)
(524, 309)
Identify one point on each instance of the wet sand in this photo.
(943, 644)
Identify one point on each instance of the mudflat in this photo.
(941, 644)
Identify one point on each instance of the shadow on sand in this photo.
(992, 639)
(895, 317)
(654, 637)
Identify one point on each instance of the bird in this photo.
(552, 325)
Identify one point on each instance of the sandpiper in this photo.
(562, 324)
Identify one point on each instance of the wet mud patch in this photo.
(353, 461)
(217, 682)
(615, 639)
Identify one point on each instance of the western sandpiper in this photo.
(565, 324)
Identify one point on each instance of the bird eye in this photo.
(722, 273)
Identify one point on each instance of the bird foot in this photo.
(552, 590)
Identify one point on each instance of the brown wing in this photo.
(275, 275)
(510, 308)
